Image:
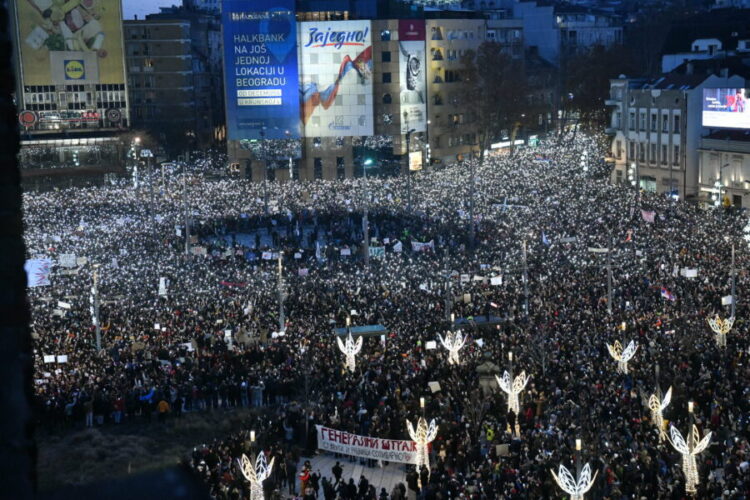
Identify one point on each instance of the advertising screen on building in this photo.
(415, 161)
(336, 80)
(412, 73)
(726, 108)
(70, 42)
(260, 69)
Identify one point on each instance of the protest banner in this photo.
(387, 450)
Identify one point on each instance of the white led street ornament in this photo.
(453, 342)
(622, 356)
(689, 450)
(657, 408)
(512, 389)
(576, 488)
(350, 349)
(721, 327)
(422, 436)
(255, 475)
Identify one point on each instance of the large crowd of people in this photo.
(194, 332)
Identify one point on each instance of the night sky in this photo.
(143, 7)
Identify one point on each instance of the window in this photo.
(641, 151)
(340, 168)
(631, 121)
(642, 122)
(385, 35)
(665, 123)
(619, 176)
(664, 154)
(271, 173)
(618, 149)
(386, 78)
(652, 153)
(676, 157)
(318, 168)
(676, 128)
(387, 98)
(653, 122)
(317, 142)
(631, 150)
(385, 56)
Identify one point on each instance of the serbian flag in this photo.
(667, 294)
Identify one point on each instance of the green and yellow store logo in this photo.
(74, 70)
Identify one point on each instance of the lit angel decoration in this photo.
(622, 356)
(575, 488)
(256, 475)
(721, 327)
(453, 342)
(422, 436)
(513, 389)
(689, 450)
(657, 408)
(351, 349)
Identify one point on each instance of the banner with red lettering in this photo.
(390, 450)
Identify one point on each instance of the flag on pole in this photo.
(545, 241)
(667, 294)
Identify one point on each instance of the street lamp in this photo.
(94, 300)
(365, 221)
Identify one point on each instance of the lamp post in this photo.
(256, 473)
(525, 278)
(622, 356)
(734, 273)
(423, 435)
(280, 289)
(578, 486)
(351, 348)
(689, 450)
(513, 387)
(264, 162)
(94, 299)
(185, 208)
(365, 220)
(408, 166)
(137, 151)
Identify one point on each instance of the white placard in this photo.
(430, 345)
(49, 358)
(63, 358)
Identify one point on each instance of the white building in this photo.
(656, 129)
(724, 159)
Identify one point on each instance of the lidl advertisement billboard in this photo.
(726, 108)
(260, 69)
(65, 42)
(336, 79)
(412, 71)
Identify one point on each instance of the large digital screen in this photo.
(726, 108)
(336, 79)
(412, 71)
(260, 69)
(73, 42)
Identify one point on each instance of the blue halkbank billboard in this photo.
(260, 69)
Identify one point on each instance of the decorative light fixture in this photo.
(689, 450)
(721, 327)
(350, 349)
(657, 408)
(576, 488)
(513, 387)
(453, 342)
(622, 356)
(255, 475)
(422, 436)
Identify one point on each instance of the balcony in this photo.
(610, 130)
(612, 102)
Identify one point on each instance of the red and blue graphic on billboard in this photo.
(260, 69)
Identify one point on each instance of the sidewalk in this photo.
(380, 477)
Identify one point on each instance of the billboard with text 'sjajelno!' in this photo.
(726, 108)
(260, 69)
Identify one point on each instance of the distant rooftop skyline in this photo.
(142, 7)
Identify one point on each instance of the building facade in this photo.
(656, 129)
(724, 160)
(71, 88)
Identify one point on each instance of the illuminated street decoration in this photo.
(576, 488)
(255, 475)
(422, 436)
(721, 327)
(350, 349)
(453, 342)
(657, 408)
(689, 450)
(622, 356)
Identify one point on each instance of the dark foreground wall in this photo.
(17, 453)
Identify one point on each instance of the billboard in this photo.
(260, 69)
(336, 80)
(70, 42)
(412, 69)
(726, 108)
